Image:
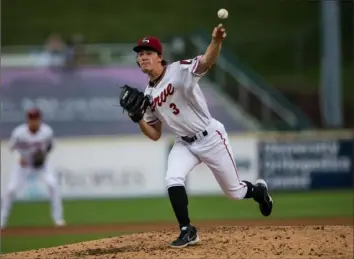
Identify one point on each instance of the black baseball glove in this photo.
(134, 102)
(38, 158)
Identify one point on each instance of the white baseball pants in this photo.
(18, 179)
(214, 150)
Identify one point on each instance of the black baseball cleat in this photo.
(266, 203)
(188, 236)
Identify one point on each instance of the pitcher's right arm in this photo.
(152, 131)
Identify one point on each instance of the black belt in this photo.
(193, 138)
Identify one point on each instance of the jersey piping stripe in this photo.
(153, 121)
(228, 151)
(196, 66)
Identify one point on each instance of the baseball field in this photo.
(303, 225)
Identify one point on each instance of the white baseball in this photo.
(223, 13)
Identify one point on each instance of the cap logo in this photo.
(145, 40)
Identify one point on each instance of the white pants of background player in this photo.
(18, 179)
(214, 150)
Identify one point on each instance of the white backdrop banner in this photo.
(108, 167)
(98, 168)
(245, 150)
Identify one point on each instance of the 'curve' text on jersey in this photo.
(162, 97)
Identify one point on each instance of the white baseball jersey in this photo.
(178, 101)
(26, 142)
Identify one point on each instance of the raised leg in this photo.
(218, 156)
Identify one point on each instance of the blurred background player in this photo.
(29, 139)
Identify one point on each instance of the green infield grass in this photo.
(287, 205)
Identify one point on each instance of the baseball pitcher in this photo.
(33, 141)
(174, 98)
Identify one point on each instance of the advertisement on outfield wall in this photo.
(108, 167)
(98, 168)
(307, 164)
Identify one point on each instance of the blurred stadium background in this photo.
(283, 87)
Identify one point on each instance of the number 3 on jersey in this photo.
(174, 108)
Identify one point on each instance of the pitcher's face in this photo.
(148, 60)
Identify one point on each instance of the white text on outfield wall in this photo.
(111, 167)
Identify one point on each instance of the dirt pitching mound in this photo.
(216, 242)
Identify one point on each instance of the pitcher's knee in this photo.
(238, 194)
(174, 181)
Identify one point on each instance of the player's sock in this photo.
(254, 192)
(179, 201)
(57, 206)
(6, 204)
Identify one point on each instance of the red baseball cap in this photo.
(34, 113)
(150, 43)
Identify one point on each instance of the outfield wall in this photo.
(133, 166)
